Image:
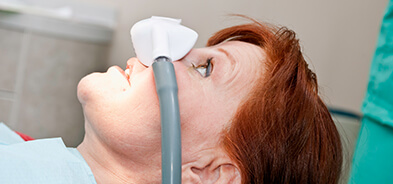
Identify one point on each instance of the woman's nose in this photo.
(134, 65)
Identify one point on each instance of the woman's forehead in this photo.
(233, 44)
(239, 50)
(242, 52)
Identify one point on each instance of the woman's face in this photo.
(124, 112)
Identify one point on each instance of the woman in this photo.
(250, 113)
(253, 116)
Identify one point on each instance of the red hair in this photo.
(283, 132)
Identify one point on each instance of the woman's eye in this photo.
(206, 69)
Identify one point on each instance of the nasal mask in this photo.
(158, 41)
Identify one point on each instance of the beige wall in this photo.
(338, 36)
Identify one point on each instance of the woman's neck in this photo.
(109, 166)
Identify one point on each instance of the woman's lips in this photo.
(127, 71)
(123, 73)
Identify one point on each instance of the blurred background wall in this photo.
(46, 47)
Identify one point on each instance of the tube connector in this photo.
(162, 59)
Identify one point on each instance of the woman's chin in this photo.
(84, 89)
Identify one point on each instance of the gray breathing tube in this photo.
(157, 41)
(164, 74)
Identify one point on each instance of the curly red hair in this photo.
(283, 132)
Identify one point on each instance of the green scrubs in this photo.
(373, 158)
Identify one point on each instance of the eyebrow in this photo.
(230, 56)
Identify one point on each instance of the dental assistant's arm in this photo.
(373, 158)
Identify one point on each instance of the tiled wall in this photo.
(10, 46)
(11, 42)
(38, 80)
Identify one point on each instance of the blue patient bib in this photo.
(40, 161)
